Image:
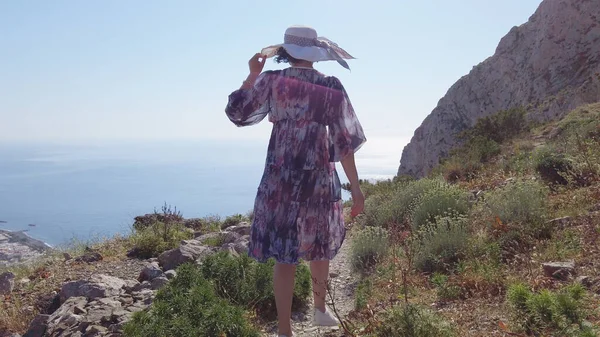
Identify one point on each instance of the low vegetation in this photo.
(471, 237)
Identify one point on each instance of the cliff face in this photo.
(550, 65)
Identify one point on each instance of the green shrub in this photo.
(395, 207)
(364, 291)
(553, 167)
(158, 237)
(188, 307)
(232, 220)
(440, 244)
(368, 246)
(442, 200)
(168, 215)
(500, 126)
(559, 313)
(520, 203)
(480, 149)
(413, 321)
(248, 283)
(445, 291)
(458, 168)
(204, 225)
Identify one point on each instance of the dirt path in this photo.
(343, 283)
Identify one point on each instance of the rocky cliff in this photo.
(549, 65)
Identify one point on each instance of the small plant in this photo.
(559, 313)
(232, 220)
(442, 200)
(364, 291)
(445, 291)
(248, 283)
(168, 215)
(368, 246)
(521, 203)
(553, 167)
(413, 321)
(499, 127)
(440, 244)
(189, 307)
(157, 238)
(481, 149)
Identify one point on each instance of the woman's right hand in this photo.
(358, 201)
(257, 63)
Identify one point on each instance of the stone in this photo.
(243, 228)
(129, 285)
(67, 256)
(159, 282)
(560, 222)
(141, 286)
(150, 271)
(230, 237)
(89, 256)
(241, 246)
(7, 283)
(188, 251)
(170, 274)
(37, 327)
(559, 270)
(230, 247)
(96, 286)
(548, 64)
(585, 281)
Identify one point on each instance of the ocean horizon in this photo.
(63, 192)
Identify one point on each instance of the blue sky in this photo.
(75, 71)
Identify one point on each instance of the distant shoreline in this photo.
(18, 247)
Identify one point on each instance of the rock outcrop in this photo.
(101, 304)
(549, 65)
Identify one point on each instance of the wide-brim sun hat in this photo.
(303, 43)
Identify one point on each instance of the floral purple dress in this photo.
(298, 207)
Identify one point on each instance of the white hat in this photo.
(302, 43)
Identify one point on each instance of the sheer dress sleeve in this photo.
(250, 106)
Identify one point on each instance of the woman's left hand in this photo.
(257, 63)
(358, 202)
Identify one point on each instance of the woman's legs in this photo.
(283, 284)
(320, 274)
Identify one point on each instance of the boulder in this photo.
(559, 270)
(7, 283)
(560, 222)
(150, 272)
(96, 286)
(89, 256)
(242, 229)
(170, 274)
(37, 327)
(159, 282)
(188, 251)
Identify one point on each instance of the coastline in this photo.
(18, 247)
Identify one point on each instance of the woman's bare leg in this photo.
(283, 286)
(320, 274)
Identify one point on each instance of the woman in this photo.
(298, 212)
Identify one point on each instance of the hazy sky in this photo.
(116, 69)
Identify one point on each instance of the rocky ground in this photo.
(94, 294)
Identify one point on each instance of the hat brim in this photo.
(311, 54)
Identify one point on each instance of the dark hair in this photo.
(284, 57)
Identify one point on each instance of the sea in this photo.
(59, 192)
